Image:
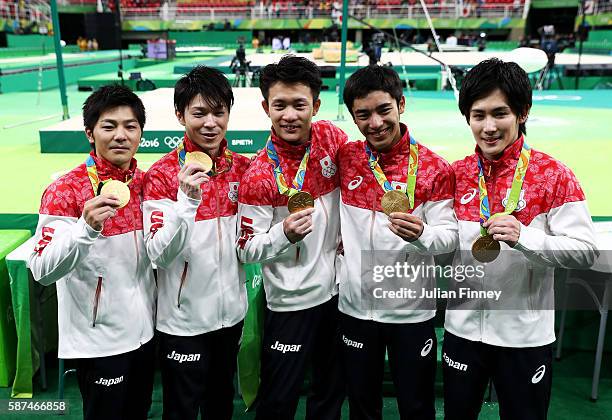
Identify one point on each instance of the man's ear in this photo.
(402, 105)
(523, 117)
(90, 136)
(180, 117)
(266, 107)
(316, 106)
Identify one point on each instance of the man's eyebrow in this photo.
(208, 107)
(499, 108)
(110, 120)
(381, 106)
(285, 100)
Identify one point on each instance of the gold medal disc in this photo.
(300, 201)
(395, 201)
(118, 189)
(200, 158)
(485, 249)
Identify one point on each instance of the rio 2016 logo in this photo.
(172, 141)
(149, 143)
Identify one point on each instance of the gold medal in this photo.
(485, 249)
(395, 201)
(300, 201)
(201, 159)
(118, 189)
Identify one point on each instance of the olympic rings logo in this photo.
(173, 142)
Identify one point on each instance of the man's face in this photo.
(204, 125)
(494, 125)
(116, 136)
(378, 117)
(291, 108)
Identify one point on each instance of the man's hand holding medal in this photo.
(193, 173)
(109, 196)
(504, 228)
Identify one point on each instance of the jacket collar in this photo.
(508, 158)
(106, 170)
(291, 150)
(399, 148)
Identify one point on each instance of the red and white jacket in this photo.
(556, 231)
(364, 225)
(105, 285)
(301, 275)
(200, 282)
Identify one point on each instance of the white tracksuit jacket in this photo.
(365, 231)
(556, 231)
(105, 285)
(302, 275)
(200, 281)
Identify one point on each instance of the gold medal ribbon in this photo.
(515, 190)
(182, 154)
(413, 166)
(92, 173)
(281, 182)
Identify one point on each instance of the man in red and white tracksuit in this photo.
(190, 220)
(372, 325)
(93, 250)
(509, 340)
(297, 251)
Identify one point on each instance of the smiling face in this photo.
(494, 125)
(205, 126)
(378, 117)
(116, 136)
(291, 108)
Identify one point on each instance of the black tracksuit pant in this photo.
(412, 361)
(291, 341)
(117, 387)
(198, 374)
(522, 379)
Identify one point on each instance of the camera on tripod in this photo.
(241, 67)
(374, 48)
(239, 64)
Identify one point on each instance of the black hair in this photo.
(370, 79)
(494, 74)
(208, 82)
(290, 70)
(109, 97)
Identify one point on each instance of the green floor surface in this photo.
(571, 389)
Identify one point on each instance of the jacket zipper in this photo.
(96, 301)
(219, 244)
(325, 234)
(372, 223)
(491, 194)
(183, 278)
(137, 253)
(531, 309)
